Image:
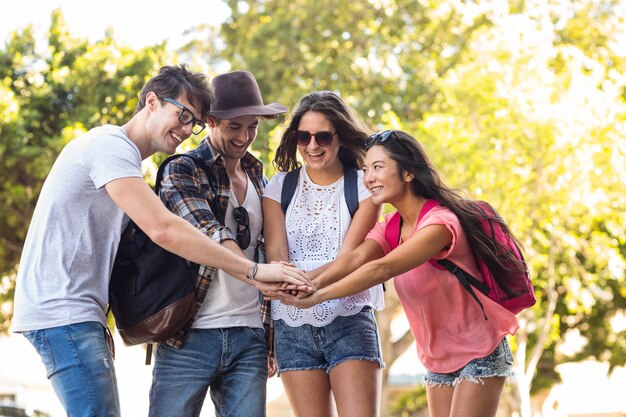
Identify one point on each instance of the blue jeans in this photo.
(80, 367)
(230, 361)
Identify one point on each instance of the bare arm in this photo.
(368, 251)
(178, 236)
(275, 235)
(345, 264)
(364, 219)
(274, 231)
(417, 250)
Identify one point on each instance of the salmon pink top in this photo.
(447, 323)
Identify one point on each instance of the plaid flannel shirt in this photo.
(202, 201)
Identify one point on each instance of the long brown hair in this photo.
(427, 183)
(351, 130)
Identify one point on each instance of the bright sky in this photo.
(135, 22)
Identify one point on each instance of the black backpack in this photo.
(350, 188)
(152, 291)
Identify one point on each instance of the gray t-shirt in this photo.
(64, 272)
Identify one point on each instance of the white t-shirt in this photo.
(230, 302)
(68, 255)
(317, 221)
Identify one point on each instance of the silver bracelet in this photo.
(255, 269)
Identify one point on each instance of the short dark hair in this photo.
(175, 80)
(351, 130)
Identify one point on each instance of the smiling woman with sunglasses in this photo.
(320, 351)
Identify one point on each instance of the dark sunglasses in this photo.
(186, 116)
(243, 227)
(381, 137)
(322, 138)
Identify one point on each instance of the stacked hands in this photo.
(282, 281)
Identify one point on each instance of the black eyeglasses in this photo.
(186, 116)
(243, 227)
(381, 137)
(323, 138)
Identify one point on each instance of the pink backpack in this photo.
(518, 282)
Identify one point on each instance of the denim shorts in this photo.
(499, 363)
(345, 338)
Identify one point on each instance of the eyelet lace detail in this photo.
(317, 221)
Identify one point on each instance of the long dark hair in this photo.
(427, 183)
(351, 130)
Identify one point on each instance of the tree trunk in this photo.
(391, 349)
(523, 379)
(526, 367)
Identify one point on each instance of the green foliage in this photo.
(533, 121)
(381, 56)
(522, 105)
(49, 94)
(409, 403)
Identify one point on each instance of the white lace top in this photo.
(317, 221)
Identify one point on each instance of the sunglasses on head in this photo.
(243, 227)
(380, 137)
(186, 116)
(323, 138)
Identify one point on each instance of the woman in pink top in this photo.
(466, 354)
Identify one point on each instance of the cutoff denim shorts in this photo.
(345, 338)
(499, 363)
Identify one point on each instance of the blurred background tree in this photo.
(49, 93)
(521, 103)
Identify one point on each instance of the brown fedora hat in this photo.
(237, 94)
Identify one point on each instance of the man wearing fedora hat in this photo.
(224, 348)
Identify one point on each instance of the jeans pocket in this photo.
(505, 351)
(39, 340)
(256, 333)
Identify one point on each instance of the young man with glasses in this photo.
(224, 348)
(94, 187)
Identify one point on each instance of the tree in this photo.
(533, 120)
(383, 57)
(520, 103)
(49, 94)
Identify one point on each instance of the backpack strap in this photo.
(159, 175)
(289, 188)
(200, 163)
(350, 189)
(467, 281)
(392, 230)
